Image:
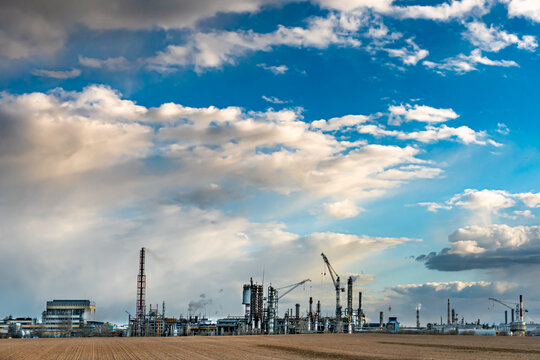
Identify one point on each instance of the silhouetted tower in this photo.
(350, 297)
(141, 287)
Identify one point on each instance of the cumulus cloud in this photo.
(342, 209)
(525, 8)
(213, 49)
(486, 247)
(58, 74)
(339, 123)
(27, 28)
(420, 113)
(453, 9)
(489, 201)
(432, 134)
(465, 63)
(494, 39)
(69, 133)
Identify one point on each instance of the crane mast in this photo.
(336, 281)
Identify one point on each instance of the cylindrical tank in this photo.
(246, 295)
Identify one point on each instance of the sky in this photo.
(237, 139)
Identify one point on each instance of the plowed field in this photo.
(323, 346)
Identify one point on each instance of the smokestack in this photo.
(349, 297)
(512, 315)
(141, 287)
(453, 315)
(318, 309)
(310, 308)
(381, 320)
(418, 316)
(506, 316)
(297, 311)
(520, 308)
(359, 303)
(448, 312)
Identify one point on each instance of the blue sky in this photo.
(398, 137)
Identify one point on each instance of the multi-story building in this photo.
(63, 317)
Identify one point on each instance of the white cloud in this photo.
(420, 113)
(494, 39)
(465, 63)
(274, 100)
(277, 70)
(432, 134)
(274, 150)
(58, 74)
(502, 129)
(526, 8)
(212, 50)
(409, 55)
(339, 123)
(342, 209)
(113, 63)
(489, 202)
(453, 9)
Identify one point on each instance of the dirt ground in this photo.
(321, 346)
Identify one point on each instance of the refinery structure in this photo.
(262, 315)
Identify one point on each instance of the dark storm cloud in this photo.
(40, 27)
(490, 247)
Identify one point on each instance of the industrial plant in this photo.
(261, 316)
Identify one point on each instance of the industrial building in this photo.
(64, 317)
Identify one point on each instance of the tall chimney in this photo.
(297, 311)
(318, 309)
(349, 297)
(453, 315)
(448, 312)
(310, 308)
(512, 315)
(141, 287)
(381, 320)
(506, 316)
(418, 317)
(521, 308)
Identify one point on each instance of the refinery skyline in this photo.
(242, 139)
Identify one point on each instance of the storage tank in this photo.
(246, 295)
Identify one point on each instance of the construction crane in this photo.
(291, 287)
(506, 303)
(335, 280)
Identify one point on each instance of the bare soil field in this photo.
(321, 346)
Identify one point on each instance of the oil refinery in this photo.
(262, 316)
